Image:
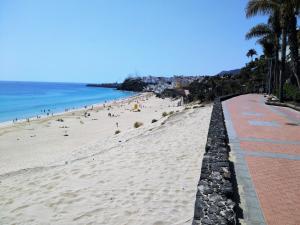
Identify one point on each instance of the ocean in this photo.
(23, 100)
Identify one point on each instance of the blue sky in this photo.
(105, 40)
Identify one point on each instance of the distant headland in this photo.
(104, 85)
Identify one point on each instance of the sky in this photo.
(107, 40)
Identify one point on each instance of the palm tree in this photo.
(286, 10)
(274, 22)
(251, 53)
(266, 38)
(292, 10)
(255, 7)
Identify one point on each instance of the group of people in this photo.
(16, 120)
(46, 111)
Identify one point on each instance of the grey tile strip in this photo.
(269, 155)
(263, 123)
(267, 141)
(252, 212)
(229, 126)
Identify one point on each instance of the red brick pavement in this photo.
(277, 183)
(276, 180)
(270, 147)
(252, 103)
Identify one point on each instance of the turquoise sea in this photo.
(28, 99)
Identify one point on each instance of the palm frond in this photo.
(260, 7)
(267, 45)
(259, 30)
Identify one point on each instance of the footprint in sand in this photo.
(19, 208)
(10, 201)
(84, 175)
(55, 177)
(92, 166)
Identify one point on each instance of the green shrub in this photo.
(117, 131)
(291, 92)
(132, 84)
(164, 114)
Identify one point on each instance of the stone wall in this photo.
(214, 200)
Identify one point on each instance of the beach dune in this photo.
(145, 175)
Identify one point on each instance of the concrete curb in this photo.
(283, 105)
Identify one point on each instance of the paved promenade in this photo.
(265, 144)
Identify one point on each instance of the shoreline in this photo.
(99, 104)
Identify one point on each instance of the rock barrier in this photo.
(214, 200)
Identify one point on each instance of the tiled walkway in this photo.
(265, 144)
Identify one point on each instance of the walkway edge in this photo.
(252, 213)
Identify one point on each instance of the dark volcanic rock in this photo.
(213, 200)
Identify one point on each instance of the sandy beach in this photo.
(73, 169)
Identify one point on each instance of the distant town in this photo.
(158, 84)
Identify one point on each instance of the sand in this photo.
(145, 175)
